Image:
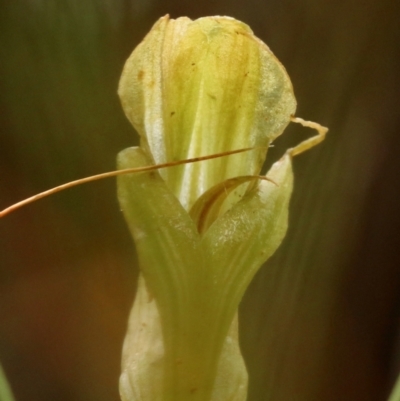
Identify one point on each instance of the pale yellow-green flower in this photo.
(195, 88)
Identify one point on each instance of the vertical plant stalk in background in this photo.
(5, 390)
(194, 88)
(395, 394)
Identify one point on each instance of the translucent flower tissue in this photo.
(202, 230)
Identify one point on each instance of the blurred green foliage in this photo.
(5, 391)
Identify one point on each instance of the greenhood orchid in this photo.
(202, 230)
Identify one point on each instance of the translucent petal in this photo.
(193, 88)
(177, 273)
(197, 283)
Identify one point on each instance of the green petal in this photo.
(143, 354)
(197, 282)
(166, 238)
(242, 239)
(143, 357)
(194, 88)
(176, 269)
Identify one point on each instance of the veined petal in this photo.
(142, 376)
(196, 355)
(143, 357)
(193, 88)
(197, 283)
(246, 236)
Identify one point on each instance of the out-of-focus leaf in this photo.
(5, 389)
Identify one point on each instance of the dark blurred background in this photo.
(321, 319)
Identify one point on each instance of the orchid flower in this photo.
(202, 230)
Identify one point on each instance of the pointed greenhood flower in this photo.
(194, 88)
